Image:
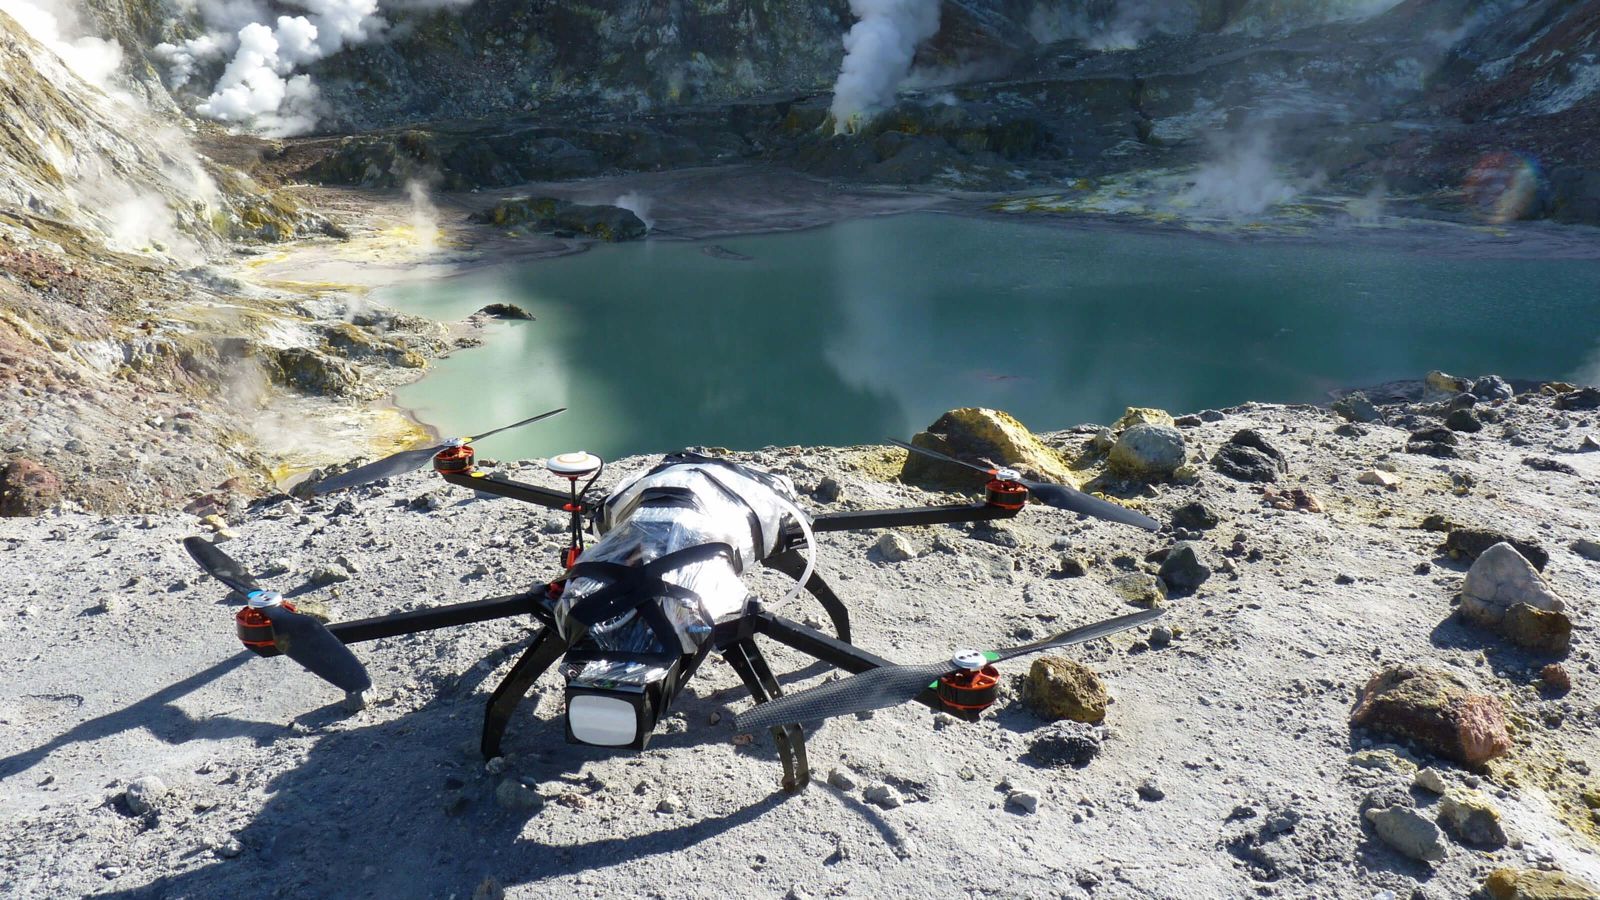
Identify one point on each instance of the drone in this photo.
(636, 612)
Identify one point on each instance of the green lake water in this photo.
(872, 328)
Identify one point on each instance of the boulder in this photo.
(1248, 457)
(1141, 415)
(978, 434)
(1409, 832)
(1472, 542)
(1470, 818)
(1583, 399)
(1492, 387)
(1537, 884)
(1463, 420)
(1435, 710)
(1437, 384)
(1147, 452)
(607, 223)
(1503, 591)
(1059, 688)
(1182, 571)
(1539, 630)
(1355, 407)
(315, 372)
(1436, 442)
(27, 488)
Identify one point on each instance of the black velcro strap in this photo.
(633, 586)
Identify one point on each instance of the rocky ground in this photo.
(1226, 763)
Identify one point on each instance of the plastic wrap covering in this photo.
(617, 675)
(679, 505)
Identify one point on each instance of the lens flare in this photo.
(1504, 187)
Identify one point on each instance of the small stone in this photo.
(1409, 832)
(1383, 760)
(1182, 571)
(1582, 399)
(1436, 442)
(1537, 884)
(1429, 779)
(1065, 743)
(1555, 678)
(478, 571)
(143, 794)
(829, 490)
(1380, 478)
(883, 796)
(326, 575)
(1194, 515)
(1061, 688)
(1437, 383)
(1150, 790)
(669, 805)
(1141, 588)
(228, 849)
(1027, 801)
(894, 548)
(1343, 578)
(1072, 567)
(513, 795)
(1160, 636)
(842, 779)
(1587, 549)
(1471, 819)
(495, 766)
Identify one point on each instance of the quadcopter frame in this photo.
(733, 639)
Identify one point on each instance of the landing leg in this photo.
(546, 648)
(741, 656)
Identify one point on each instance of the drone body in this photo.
(636, 613)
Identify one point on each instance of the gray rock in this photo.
(1355, 407)
(1194, 515)
(1248, 457)
(829, 490)
(669, 805)
(1065, 743)
(1587, 549)
(326, 575)
(1463, 420)
(1430, 779)
(1147, 452)
(1160, 636)
(514, 795)
(1500, 579)
(842, 779)
(1409, 832)
(144, 794)
(883, 796)
(1027, 801)
(894, 548)
(1471, 819)
(1150, 790)
(1182, 572)
(1492, 387)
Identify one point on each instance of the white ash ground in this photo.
(121, 663)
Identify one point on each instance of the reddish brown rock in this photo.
(1555, 677)
(1435, 710)
(27, 488)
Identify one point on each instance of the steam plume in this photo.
(878, 53)
(90, 58)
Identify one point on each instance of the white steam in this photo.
(260, 87)
(638, 204)
(424, 216)
(877, 55)
(90, 58)
(1241, 179)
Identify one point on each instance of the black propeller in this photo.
(298, 636)
(1059, 496)
(407, 460)
(893, 685)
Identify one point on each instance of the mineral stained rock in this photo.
(975, 433)
(1435, 710)
(1537, 884)
(27, 488)
(1060, 688)
(1147, 453)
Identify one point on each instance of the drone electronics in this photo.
(634, 614)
